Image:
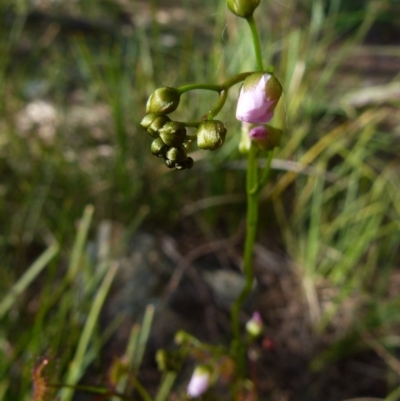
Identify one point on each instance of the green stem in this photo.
(252, 190)
(235, 80)
(218, 105)
(214, 87)
(256, 42)
(223, 94)
(265, 174)
(251, 229)
(193, 124)
(221, 89)
(190, 87)
(92, 389)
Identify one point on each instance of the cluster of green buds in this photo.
(170, 137)
(171, 140)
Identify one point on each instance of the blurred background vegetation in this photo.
(74, 79)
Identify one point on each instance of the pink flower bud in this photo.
(199, 382)
(265, 137)
(255, 325)
(258, 97)
(258, 133)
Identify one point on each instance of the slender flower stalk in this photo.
(256, 42)
(253, 187)
(248, 271)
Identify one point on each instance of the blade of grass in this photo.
(394, 395)
(3, 388)
(134, 352)
(369, 117)
(313, 246)
(27, 278)
(123, 385)
(166, 386)
(75, 370)
(80, 242)
(143, 337)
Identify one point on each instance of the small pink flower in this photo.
(258, 97)
(255, 325)
(258, 133)
(265, 137)
(199, 382)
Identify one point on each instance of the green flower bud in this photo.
(153, 123)
(211, 135)
(162, 360)
(186, 164)
(187, 142)
(159, 148)
(254, 326)
(176, 154)
(163, 101)
(169, 163)
(173, 133)
(168, 361)
(243, 8)
(182, 337)
(147, 120)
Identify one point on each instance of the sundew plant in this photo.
(260, 96)
(260, 115)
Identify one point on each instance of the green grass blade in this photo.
(165, 387)
(143, 337)
(80, 241)
(123, 385)
(394, 395)
(3, 388)
(75, 370)
(27, 278)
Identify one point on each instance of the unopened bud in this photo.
(186, 164)
(169, 163)
(173, 133)
(258, 98)
(153, 122)
(176, 154)
(147, 120)
(265, 137)
(211, 135)
(168, 361)
(181, 337)
(199, 382)
(163, 101)
(159, 148)
(255, 325)
(243, 8)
